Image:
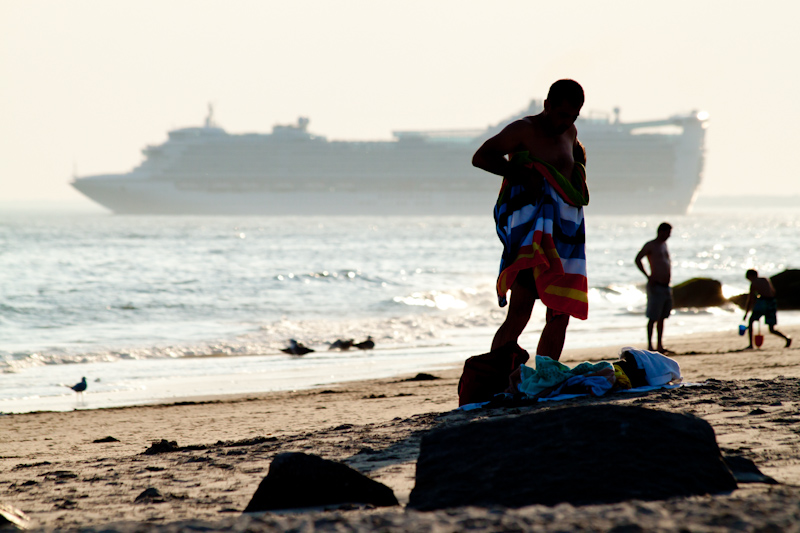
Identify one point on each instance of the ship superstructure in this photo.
(644, 167)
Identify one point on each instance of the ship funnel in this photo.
(210, 118)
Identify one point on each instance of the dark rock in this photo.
(298, 480)
(746, 471)
(12, 519)
(150, 495)
(787, 289)
(698, 292)
(739, 300)
(579, 455)
(105, 439)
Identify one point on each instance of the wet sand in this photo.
(52, 468)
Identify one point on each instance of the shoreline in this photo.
(53, 469)
(197, 378)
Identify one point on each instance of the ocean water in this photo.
(153, 308)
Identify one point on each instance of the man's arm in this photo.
(641, 255)
(491, 156)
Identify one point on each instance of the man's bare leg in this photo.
(650, 324)
(551, 342)
(520, 306)
(660, 335)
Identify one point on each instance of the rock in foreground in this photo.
(579, 455)
(297, 480)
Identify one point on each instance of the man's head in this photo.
(664, 231)
(563, 105)
(751, 274)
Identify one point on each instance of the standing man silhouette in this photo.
(659, 293)
(539, 217)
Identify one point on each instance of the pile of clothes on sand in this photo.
(501, 377)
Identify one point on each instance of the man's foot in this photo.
(788, 341)
(749, 347)
(665, 351)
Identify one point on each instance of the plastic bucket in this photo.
(742, 329)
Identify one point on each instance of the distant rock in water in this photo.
(787, 290)
(297, 480)
(579, 455)
(698, 292)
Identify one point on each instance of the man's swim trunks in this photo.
(659, 301)
(526, 279)
(766, 307)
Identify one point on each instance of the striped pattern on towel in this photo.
(544, 230)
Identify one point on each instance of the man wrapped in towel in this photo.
(539, 216)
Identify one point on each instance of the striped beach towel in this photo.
(544, 230)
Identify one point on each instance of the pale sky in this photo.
(86, 84)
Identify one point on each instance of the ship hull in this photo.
(146, 197)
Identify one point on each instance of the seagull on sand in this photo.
(296, 348)
(366, 345)
(79, 387)
(341, 344)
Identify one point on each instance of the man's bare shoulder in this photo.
(649, 246)
(525, 124)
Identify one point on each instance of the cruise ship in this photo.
(652, 167)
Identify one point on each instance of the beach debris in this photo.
(168, 446)
(422, 376)
(79, 387)
(586, 454)
(150, 495)
(746, 471)
(296, 348)
(105, 439)
(31, 465)
(341, 344)
(13, 519)
(162, 446)
(698, 292)
(366, 345)
(299, 480)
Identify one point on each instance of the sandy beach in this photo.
(56, 468)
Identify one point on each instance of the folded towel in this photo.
(658, 368)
